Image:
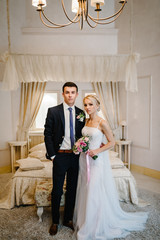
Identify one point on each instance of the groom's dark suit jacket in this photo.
(55, 129)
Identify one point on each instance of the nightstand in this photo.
(18, 151)
(123, 149)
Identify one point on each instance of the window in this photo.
(50, 99)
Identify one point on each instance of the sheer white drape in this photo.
(31, 68)
(109, 98)
(31, 98)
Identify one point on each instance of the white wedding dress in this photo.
(98, 215)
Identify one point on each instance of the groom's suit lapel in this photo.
(61, 113)
(76, 119)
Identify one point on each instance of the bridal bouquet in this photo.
(82, 145)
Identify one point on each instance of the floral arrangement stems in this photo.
(95, 157)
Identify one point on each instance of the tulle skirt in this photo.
(98, 215)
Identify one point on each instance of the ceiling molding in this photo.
(47, 31)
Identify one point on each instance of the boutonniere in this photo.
(81, 117)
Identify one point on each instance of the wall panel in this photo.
(139, 114)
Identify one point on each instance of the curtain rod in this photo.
(44, 55)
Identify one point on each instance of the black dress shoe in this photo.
(69, 225)
(53, 229)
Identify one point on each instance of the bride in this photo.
(98, 215)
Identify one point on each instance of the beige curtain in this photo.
(31, 98)
(109, 98)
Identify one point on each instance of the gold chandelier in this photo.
(80, 8)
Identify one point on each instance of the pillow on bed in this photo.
(116, 163)
(113, 154)
(39, 147)
(41, 155)
(28, 164)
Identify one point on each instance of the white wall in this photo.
(142, 110)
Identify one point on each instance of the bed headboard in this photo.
(35, 138)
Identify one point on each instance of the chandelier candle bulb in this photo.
(37, 3)
(95, 2)
(75, 6)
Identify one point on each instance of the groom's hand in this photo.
(52, 158)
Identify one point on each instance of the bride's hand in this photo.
(92, 153)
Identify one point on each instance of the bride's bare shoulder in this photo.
(104, 123)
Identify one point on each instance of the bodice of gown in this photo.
(96, 136)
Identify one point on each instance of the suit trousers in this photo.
(64, 164)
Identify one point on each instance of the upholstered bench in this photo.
(43, 196)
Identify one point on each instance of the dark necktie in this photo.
(71, 127)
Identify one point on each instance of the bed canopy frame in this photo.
(43, 68)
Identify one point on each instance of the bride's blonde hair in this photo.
(94, 99)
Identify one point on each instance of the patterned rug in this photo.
(21, 223)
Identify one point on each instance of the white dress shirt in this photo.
(66, 144)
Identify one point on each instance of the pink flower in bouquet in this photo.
(79, 149)
(77, 144)
(86, 139)
(83, 144)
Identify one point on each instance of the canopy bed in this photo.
(104, 72)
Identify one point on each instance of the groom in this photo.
(62, 127)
